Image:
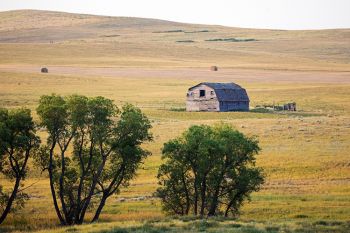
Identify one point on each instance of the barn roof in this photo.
(227, 91)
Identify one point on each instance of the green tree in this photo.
(17, 143)
(104, 156)
(208, 171)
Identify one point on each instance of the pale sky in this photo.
(274, 14)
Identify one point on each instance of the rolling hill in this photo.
(56, 38)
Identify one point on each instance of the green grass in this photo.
(177, 225)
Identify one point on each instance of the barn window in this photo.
(201, 93)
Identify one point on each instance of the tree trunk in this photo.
(187, 195)
(100, 207)
(66, 212)
(195, 197)
(231, 203)
(61, 191)
(10, 201)
(52, 187)
(228, 208)
(213, 205)
(215, 199)
(203, 193)
(91, 192)
(84, 171)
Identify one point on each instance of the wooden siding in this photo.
(226, 106)
(195, 102)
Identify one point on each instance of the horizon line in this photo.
(174, 21)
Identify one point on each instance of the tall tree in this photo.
(92, 150)
(208, 171)
(17, 143)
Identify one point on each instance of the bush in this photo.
(185, 41)
(301, 216)
(272, 229)
(231, 40)
(178, 109)
(261, 110)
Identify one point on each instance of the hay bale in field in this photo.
(214, 68)
(44, 70)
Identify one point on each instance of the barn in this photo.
(217, 97)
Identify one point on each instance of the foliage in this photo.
(208, 170)
(185, 41)
(232, 39)
(178, 109)
(105, 151)
(261, 110)
(17, 142)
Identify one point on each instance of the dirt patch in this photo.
(200, 74)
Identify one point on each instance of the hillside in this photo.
(46, 38)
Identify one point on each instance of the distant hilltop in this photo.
(125, 41)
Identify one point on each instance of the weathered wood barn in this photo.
(217, 97)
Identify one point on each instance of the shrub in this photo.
(230, 40)
(178, 109)
(185, 41)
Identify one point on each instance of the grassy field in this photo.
(305, 154)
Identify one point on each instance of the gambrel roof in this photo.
(226, 91)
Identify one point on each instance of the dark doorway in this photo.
(201, 93)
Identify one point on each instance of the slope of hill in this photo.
(43, 37)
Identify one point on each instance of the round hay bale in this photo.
(44, 70)
(214, 68)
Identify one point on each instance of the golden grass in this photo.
(305, 158)
(305, 154)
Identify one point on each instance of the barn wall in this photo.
(207, 103)
(202, 105)
(234, 106)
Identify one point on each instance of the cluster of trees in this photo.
(92, 149)
(208, 171)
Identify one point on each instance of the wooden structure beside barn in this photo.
(217, 97)
(290, 107)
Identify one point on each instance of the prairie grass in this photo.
(305, 154)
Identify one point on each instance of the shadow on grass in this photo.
(217, 225)
(195, 225)
(192, 227)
